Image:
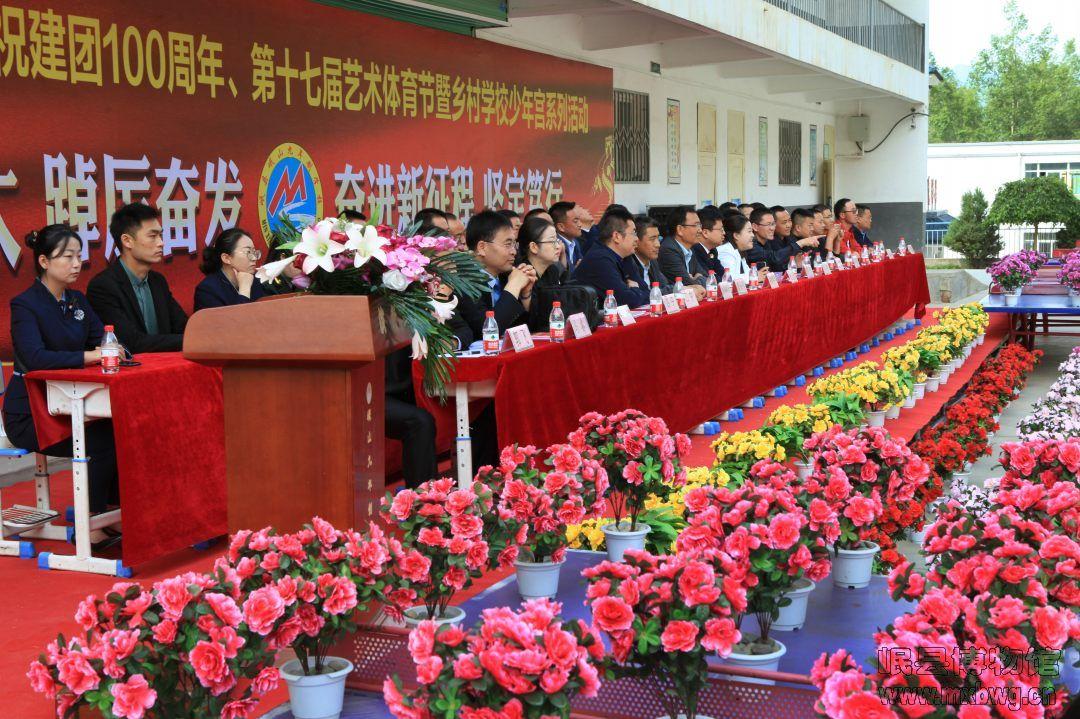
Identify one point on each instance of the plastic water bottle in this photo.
(902, 247)
(557, 322)
(712, 289)
(110, 352)
(491, 334)
(656, 300)
(611, 310)
(791, 264)
(755, 278)
(865, 254)
(678, 290)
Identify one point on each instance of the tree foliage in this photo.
(1020, 88)
(972, 234)
(1035, 201)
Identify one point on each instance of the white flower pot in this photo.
(980, 339)
(538, 580)
(618, 539)
(876, 418)
(944, 372)
(909, 401)
(803, 469)
(415, 615)
(1012, 299)
(318, 696)
(961, 478)
(893, 412)
(967, 350)
(766, 662)
(918, 536)
(918, 390)
(852, 568)
(793, 616)
(957, 364)
(933, 382)
(1074, 298)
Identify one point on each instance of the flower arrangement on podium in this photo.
(790, 425)
(860, 470)
(449, 537)
(524, 664)
(1011, 273)
(737, 452)
(1069, 275)
(642, 459)
(664, 614)
(539, 494)
(781, 527)
(338, 257)
(190, 646)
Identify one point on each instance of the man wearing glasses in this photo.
(677, 250)
(844, 210)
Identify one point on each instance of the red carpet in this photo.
(39, 603)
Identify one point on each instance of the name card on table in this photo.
(579, 326)
(740, 285)
(827, 267)
(855, 261)
(889, 253)
(770, 277)
(808, 270)
(725, 290)
(793, 275)
(671, 304)
(625, 315)
(690, 299)
(519, 338)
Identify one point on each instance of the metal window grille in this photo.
(873, 24)
(790, 152)
(631, 136)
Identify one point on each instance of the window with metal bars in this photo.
(790, 149)
(631, 136)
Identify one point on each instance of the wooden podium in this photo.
(303, 385)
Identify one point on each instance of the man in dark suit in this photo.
(132, 297)
(784, 245)
(490, 237)
(677, 250)
(603, 266)
(642, 267)
(712, 236)
(863, 220)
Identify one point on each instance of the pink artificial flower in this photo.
(208, 661)
(240, 708)
(41, 680)
(679, 636)
(784, 530)
(165, 631)
(612, 614)
(720, 635)
(173, 596)
(86, 614)
(75, 672)
(224, 608)
(132, 698)
(339, 593)
(262, 609)
(266, 681)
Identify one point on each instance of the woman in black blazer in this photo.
(53, 327)
(229, 266)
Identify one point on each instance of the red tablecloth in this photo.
(689, 367)
(169, 427)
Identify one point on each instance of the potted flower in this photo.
(1011, 273)
(641, 459)
(860, 470)
(791, 425)
(527, 663)
(1069, 275)
(539, 503)
(305, 591)
(768, 522)
(737, 452)
(904, 360)
(663, 614)
(862, 381)
(183, 648)
(444, 543)
(845, 409)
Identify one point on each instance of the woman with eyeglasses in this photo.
(229, 265)
(539, 245)
(54, 327)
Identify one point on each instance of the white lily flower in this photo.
(317, 247)
(366, 244)
(270, 271)
(444, 310)
(419, 347)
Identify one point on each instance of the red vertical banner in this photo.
(227, 114)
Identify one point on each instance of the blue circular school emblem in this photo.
(289, 185)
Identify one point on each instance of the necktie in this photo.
(496, 291)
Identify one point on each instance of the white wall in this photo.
(895, 171)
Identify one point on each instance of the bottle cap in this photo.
(490, 313)
(108, 328)
(678, 279)
(655, 284)
(712, 272)
(611, 292)
(555, 304)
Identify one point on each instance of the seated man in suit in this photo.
(863, 220)
(764, 226)
(132, 297)
(642, 267)
(677, 250)
(603, 266)
(490, 237)
(784, 243)
(712, 237)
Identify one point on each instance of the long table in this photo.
(1053, 311)
(687, 367)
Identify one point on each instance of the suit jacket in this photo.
(467, 324)
(633, 270)
(861, 237)
(708, 259)
(673, 264)
(47, 335)
(603, 269)
(215, 290)
(113, 298)
(783, 249)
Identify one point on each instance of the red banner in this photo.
(228, 113)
